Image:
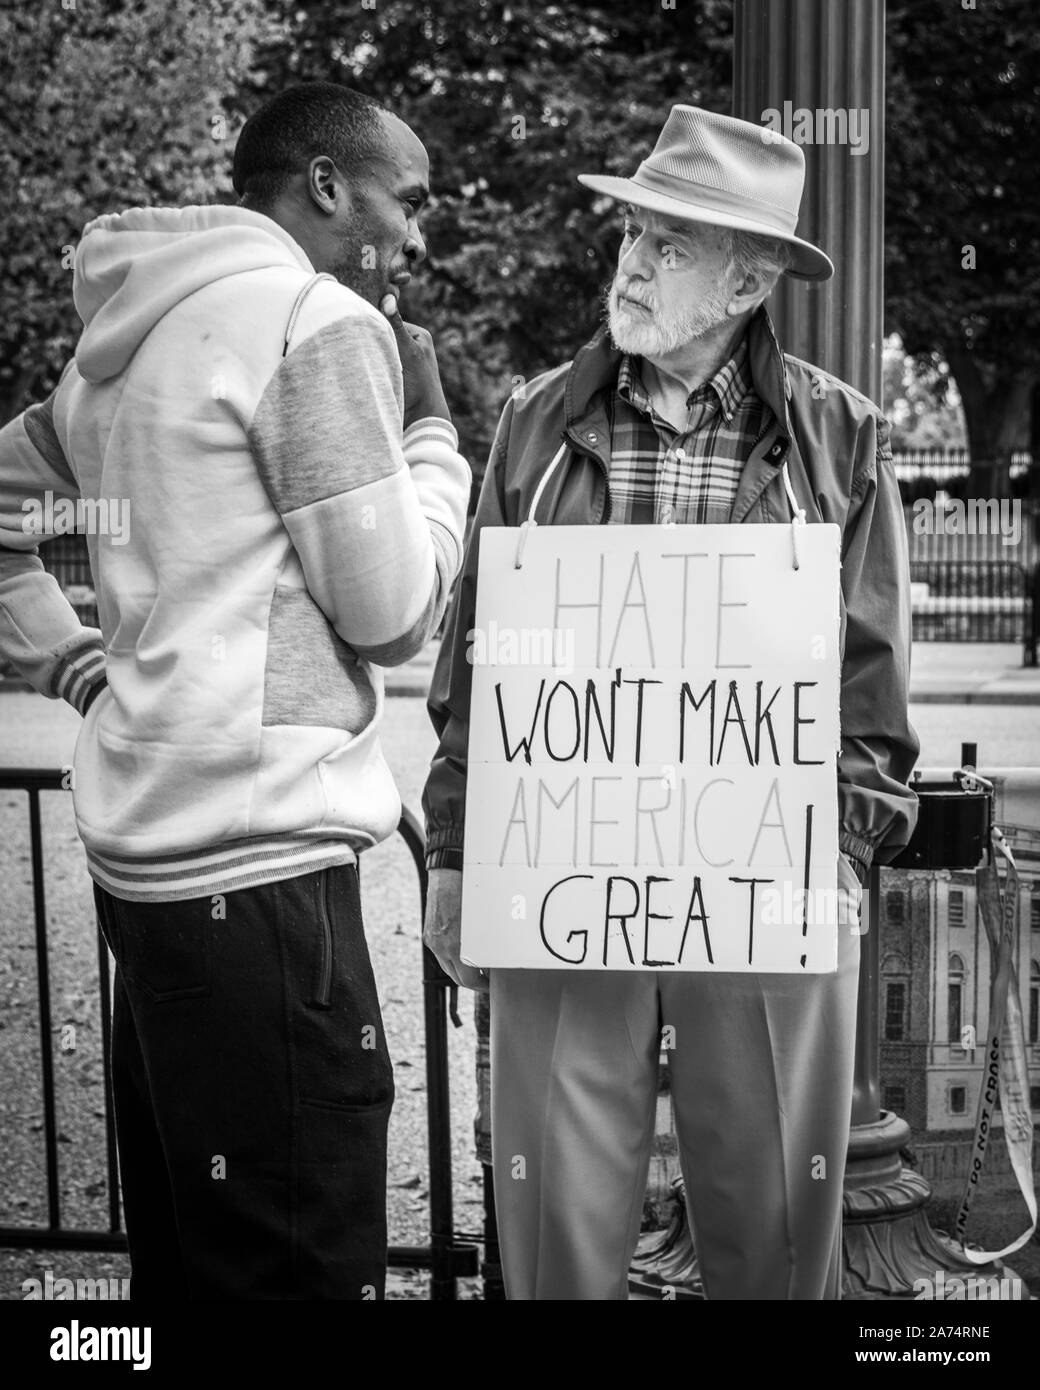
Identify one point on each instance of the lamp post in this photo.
(818, 70)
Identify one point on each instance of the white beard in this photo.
(661, 332)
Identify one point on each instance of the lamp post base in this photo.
(890, 1249)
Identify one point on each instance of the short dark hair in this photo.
(298, 125)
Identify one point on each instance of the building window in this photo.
(894, 1099)
(1034, 1003)
(1034, 1098)
(955, 907)
(958, 1100)
(955, 1000)
(1034, 910)
(895, 1010)
(894, 906)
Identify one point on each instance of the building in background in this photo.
(934, 1003)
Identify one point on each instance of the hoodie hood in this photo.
(133, 267)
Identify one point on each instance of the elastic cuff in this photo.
(859, 852)
(92, 693)
(82, 676)
(444, 859)
(444, 834)
(432, 429)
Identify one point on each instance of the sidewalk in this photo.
(967, 673)
(942, 673)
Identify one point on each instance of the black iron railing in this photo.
(448, 1255)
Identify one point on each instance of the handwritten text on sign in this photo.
(652, 756)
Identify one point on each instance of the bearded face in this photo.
(673, 285)
(642, 325)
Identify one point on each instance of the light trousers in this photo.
(761, 1075)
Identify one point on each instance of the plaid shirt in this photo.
(658, 474)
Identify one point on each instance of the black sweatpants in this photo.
(253, 1089)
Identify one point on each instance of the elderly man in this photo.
(686, 411)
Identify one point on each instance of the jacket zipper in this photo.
(325, 975)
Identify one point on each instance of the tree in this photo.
(105, 106)
(963, 209)
(920, 400)
(513, 101)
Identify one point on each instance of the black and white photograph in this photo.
(519, 680)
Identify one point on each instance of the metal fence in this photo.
(975, 601)
(946, 466)
(448, 1255)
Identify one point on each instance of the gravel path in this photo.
(40, 733)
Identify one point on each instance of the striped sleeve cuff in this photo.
(431, 430)
(82, 677)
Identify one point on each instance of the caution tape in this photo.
(1005, 1072)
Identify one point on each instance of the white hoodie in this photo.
(281, 539)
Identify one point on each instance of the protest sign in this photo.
(652, 761)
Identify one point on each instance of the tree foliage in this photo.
(963, 204)
(105, 106)
(513, 101)
(118, 102)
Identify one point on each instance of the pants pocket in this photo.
(163, 949)
(341, 1054)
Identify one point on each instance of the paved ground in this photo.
(972, 673)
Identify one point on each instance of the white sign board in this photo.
(652, 754)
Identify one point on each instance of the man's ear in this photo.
(749, 292)
(326, 187)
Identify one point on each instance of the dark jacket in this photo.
(835, 442)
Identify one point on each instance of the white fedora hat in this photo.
(711, 168)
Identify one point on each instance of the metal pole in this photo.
(105, 1004)
(792, 61)
(448, 1259)
(816, 70)
(43, 986)
(803, 59)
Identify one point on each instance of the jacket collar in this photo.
(595, 371)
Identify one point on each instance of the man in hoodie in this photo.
(245, 389)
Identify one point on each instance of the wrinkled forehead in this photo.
(681, 230)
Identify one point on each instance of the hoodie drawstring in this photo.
(295, 314)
